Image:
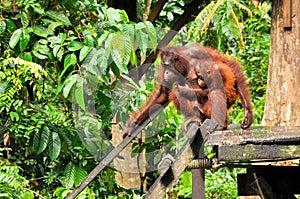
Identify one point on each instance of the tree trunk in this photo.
(282, 106)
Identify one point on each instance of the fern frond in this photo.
(242, 7)
(209, 17)
(238, 25)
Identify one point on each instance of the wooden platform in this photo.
(244, 148)
(257, 143)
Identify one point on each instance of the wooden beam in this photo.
(287, 14)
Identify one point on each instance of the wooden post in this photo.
(198, 180)
(287, 14)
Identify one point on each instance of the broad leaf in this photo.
(2, 26)
(75, 45)
(41, 139)
(24, 39)
(69, 60)
(142, 37)
(84, 52)
(70, 81)
(96, 62)
(54, 145)
(69, 175)
(24, 19)
(80, 175)
(128, 29)
(79, 94)
(59, 17)
(116, 56)
(54, 25)
(27, 56)
(28, 195)
(14, 39)
(39, 55)
(88, 40)
(151, 33)
(40, 31)
(121, 51)
(10, 25)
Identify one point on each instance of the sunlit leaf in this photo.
(24, 39)
(2, 26)
(59, 17)
(142, 37)
(75, 45)
(14, 39)
(151, 33)
(84, 52)
(40, 31)
(69, 60)
(24, 19)
(70, 81)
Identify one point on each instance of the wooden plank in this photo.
(255, 135)
(254, 152)
(198, 179)
(287, 13)
(187, 153)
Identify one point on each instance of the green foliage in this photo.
(13, 185)
(220, 20)
(55, 54)
(218, 184)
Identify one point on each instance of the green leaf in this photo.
(2, 26)
(53, 25)
(123, 16)
(41, 31)
(75, 45)
(113, 15)
(69, 60)
(70, 81)
(14, 39)
(84, 52)
(116, 56)
(121, 51)
(96, 62)
(142, 37)
(39, 55)
(41, 139)
(40, 10)
(54, 145)
(59, 17)
(88, 40)
(27, 56)
(24, 19)
(10, 25)
(69, 175)
(128, 29)
(151, 33)
(24, 39)
(80, 175)
(28, 195)
(103, 38)
(14, 116)
(133, 59)
(79, 94)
